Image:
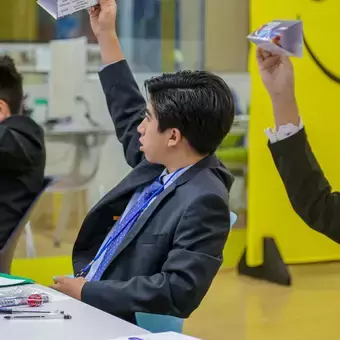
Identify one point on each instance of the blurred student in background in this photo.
(22, 152)
(309, 191)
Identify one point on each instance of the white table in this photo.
(87, 323)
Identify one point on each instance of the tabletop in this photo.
(87, 323)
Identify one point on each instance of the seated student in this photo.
(309, 191)
(156, 240)
(22, 152)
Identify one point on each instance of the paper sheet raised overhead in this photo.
(158, 336)
(50, 6)
(61, 8)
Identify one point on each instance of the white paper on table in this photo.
(61, 8)
(4, 282)
(158, 336)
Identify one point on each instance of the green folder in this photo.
(10, 280)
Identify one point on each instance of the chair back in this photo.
(156, 323)
(7, 252)
(233, 219)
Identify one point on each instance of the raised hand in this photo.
(277, 75)
(103, 18)
(276, 72)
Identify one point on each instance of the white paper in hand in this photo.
(158, 336)
(61, 8)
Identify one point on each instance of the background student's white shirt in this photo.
(283, 132)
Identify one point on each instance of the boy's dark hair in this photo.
(198, 103)
(11, 88)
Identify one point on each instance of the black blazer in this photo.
(309, 191)
(22, 166)
(170, 257)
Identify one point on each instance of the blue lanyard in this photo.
(87, 268)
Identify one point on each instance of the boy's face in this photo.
(4, 110)
(156, 145)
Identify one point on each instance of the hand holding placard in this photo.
(282, 37)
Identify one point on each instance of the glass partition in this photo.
(156, 36)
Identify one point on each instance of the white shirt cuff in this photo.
(284, 131)
(104, 66)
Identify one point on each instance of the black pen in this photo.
(28, 311)
(38, 317)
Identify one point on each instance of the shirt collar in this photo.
(165, 174)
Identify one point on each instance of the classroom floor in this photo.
(240, 308)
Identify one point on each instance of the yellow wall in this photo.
(270, 213)
(18, 20)
(168, 15)
(42, 270)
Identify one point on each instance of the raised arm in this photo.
(124, 99)
(309, 192)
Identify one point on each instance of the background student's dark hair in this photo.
(11, 85)
(198, 103)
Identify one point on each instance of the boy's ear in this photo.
(4, 110)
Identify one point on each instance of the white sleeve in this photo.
(103, 66)
(284, 131)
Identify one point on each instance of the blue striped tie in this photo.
(123, 227)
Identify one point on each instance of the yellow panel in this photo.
(270, 213)
(18, 20)
(42, 270)
(234, 248)
(168, 16)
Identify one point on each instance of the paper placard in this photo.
(61, 8)
(283, 37)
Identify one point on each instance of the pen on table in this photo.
(38, 317)
(28, 311)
